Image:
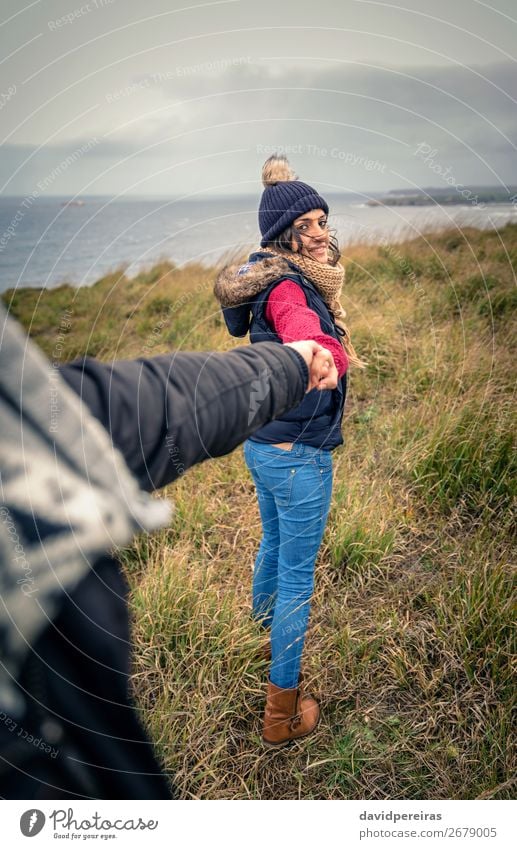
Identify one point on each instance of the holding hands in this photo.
(323, 373)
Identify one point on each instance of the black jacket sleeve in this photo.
(169, 412)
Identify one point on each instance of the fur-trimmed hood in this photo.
(238, 284)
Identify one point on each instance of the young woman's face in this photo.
(313, 229)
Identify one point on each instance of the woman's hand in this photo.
(327, 369)
(320, 362)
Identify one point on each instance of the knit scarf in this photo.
(328, 280)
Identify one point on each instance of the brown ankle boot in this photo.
(289, 715)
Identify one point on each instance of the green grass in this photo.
(411, 645)
(469, 458)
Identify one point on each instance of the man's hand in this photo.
(322, 370)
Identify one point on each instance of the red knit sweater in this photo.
(293, 320)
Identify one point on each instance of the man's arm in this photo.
(169, 412)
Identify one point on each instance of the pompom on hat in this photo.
(284, 198)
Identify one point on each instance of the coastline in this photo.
(55, 244)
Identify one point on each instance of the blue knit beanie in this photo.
(284, 198)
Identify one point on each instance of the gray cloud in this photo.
(206, 113)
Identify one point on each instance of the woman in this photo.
(287, 291)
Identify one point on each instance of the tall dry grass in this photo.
(411, 646)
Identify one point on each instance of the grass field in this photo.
(411, 641)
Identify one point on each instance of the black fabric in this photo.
(79, 706)
(80, 736)
(237, 319)
(169, 412)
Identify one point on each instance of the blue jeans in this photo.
(294, 489)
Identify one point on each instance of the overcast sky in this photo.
(171, 97)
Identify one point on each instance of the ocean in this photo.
(45, 242)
